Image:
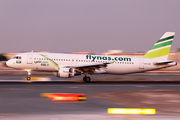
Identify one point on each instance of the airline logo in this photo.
(57, 66)
(94, 57)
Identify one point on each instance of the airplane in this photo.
(70, 65)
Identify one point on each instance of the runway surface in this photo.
(18, 78)
(22, 100)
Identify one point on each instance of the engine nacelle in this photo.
(65, 72)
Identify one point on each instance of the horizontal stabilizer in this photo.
(165, 62)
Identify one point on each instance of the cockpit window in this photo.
(17, 57)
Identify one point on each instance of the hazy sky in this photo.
(86, 25)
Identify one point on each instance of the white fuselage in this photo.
(54, 61)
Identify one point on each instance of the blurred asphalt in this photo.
(22, 101)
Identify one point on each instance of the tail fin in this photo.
(161, 48)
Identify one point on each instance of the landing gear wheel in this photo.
(28, 78)
(29, 75)
(86, 79)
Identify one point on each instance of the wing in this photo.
(89, 68)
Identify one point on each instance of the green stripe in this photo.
(157, 53)
(164, 39)
(161, 45)
(51, 61)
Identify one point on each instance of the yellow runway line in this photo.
(34, 78)
(129, 116)
(131, 111)
(38, 79)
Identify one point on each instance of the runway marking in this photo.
(128, 116)
(131, 111)
(64, 96)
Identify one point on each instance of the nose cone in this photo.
(8, 63)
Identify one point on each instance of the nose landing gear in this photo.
(29, 75)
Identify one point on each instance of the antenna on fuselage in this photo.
(32, 51)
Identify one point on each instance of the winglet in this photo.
(161, 48)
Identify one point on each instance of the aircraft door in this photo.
(141, 64)
(29, 58)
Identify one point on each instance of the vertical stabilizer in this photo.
(161, 48)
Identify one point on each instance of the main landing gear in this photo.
(29, 75)
(86, 79)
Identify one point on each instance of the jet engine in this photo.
(65, 72)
